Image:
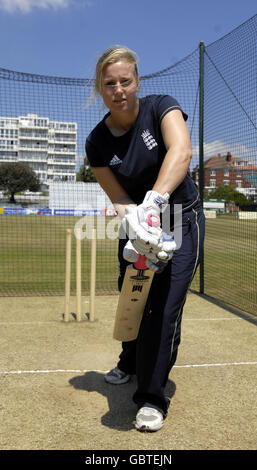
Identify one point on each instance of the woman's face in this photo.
(119, 86)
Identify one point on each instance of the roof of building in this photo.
(227, 161)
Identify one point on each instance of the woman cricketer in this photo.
(140, 153)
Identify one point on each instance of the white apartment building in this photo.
(48, 147)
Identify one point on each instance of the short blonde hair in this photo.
(112, 55)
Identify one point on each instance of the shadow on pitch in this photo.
(122, 409)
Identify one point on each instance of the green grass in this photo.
(230, 261)
(32, 258)
(32, 253)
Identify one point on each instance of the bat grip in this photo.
(140, 263)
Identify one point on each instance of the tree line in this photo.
(17, 177)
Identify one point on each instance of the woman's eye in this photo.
(123, 83)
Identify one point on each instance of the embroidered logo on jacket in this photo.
(148, 139)
(115, 161)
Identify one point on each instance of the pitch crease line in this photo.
(80, 371)
(25, 322)
(54, 321)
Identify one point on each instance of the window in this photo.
(213, 172)
(226, 172)
(226, 182)
(213, 183)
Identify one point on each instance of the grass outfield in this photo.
(230, 263)
(32, 253)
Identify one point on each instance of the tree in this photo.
(80, 176)
(16, 177)
(229, 194)
(86, 174)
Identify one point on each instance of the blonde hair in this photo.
(112, 55)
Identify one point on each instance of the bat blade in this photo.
(131, 304)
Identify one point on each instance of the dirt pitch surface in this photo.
(54, 397)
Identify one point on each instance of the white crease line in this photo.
(26, 322)
(83, 371)
(210, 319)
(54, 321)
(47, 371)
(219, 364)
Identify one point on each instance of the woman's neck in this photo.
(119, 123)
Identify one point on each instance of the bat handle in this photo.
(140, 263)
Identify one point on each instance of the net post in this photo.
(201, 146)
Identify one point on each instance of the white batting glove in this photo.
(151, 207)
(129, 253)
(167, 247)
(142, 223)
(144, 241)
(149, 214)
(155, 263)
(156, 267)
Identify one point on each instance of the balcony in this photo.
(27, 148)
(32, 158)
(10, 147)
(33, 121)
(7, 158)
(63, 151)
(53, 161)
(62, 129)
(64, 140)
(33, 136)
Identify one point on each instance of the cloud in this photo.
(25, 6)
(237, 150)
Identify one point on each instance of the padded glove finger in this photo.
(129, 253)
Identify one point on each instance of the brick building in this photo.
(226, 170)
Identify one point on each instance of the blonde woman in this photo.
(140, 153)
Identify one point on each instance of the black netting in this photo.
(32, 249)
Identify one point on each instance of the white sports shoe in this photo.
(148, 419)
(116, 377)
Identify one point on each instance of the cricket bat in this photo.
(132, 300)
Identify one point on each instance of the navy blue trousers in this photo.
(152, 355)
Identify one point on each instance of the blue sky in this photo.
(65, 37)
